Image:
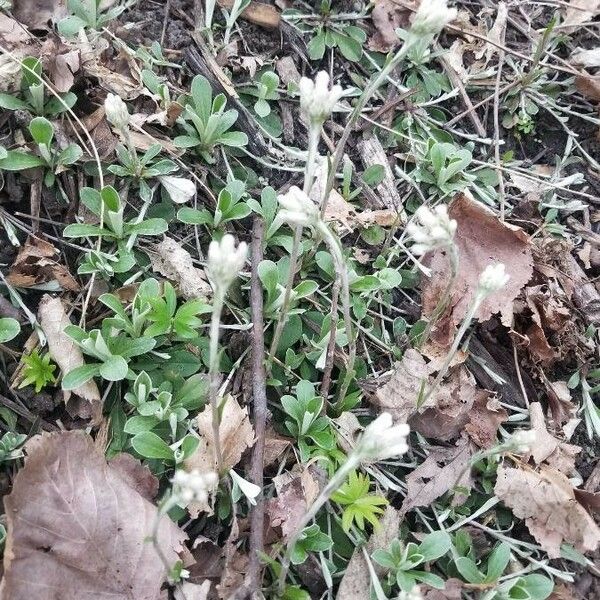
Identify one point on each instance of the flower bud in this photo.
(431, 229)
(382, 439)
(432, 16)
(116, 111)
(317, 101)
(522, 441)
(193, 486)
(493, 278)
(225, 261)
(297, 208)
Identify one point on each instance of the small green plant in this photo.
(307, 424)
(10, 446)
(328, 30)
(359, 505)
(230, 207)
(38, 370)
(87, 14)
(402, 561)
(9, 329)
(33, 93)
(144, 167)
(311, 539)
(207, 123)
(263, 89)
(55, 161)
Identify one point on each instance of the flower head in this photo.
(116, 111)
(414, 594)
(432, 16)
(297, 208)
(431, 229)
(193, 486)
(316, 99)
(382, 439)
(493, 278)
(225, 261)
(521, 441)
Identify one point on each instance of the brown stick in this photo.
(259, 394)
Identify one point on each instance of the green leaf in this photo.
(468, 569)
(139, 424)
(538, 586)
(350, 48)
(202, 96)
(149, 445)
(316, 46)
(497, 562)
(9, 329)
(70, 26)
(19, 161)
(234, 139)
(186, 141)
(79, 376)
(193, 216)
(12, 102)
(114, 369)
(41, 131)
(389, 278)
(148, 227)
(435, 545)
(374, 175)
(71, 154)
(84, 230)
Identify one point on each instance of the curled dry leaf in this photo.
(36, 265)
(295, 493)
(236, 435)
(137, 475)
(547, 448)
(484, 419)
(39, 14)
(546, 500)
(387, 16)
(77, 529)
(442, 470)
(84, 401)
(175, 263)
(481, 239)
(452, 591)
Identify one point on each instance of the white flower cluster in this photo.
(493, 278)
(317, 101)
(522, 441)
(431, 229)
(414, 594)
(297, 208)
(225, 261)
(432, 16)
(193, 486)
(116, 111)
(382, 439)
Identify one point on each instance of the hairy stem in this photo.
(213, 373)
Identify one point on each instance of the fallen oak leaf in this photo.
(99, 546)
(35, 265)
(481, 239)
(84, 401)
(546, 500)
(236, 435)
(442, 470)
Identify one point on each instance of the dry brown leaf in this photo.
(169, 259)
(193, 591)
(557, 454)
(137, 475)
(586, 58)
(356, 582)
(85, 401)
(12, 33)
(275, 446)
(236, 434)
(546, 500)
(296, 491)
(484, 419)
(481, 239)
(39, 14)
(400, 394)
(451, 406)
(589, 87)
(442, 470)
(258, 13)
(452, 591)
(579, 11)
(77, 529)
(36, 265)
(387, 16)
